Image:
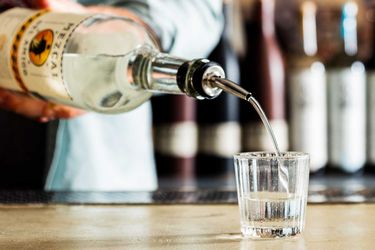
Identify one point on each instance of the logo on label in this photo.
(40, 47)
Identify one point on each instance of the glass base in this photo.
(269, 232)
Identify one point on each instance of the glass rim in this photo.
(265, 155)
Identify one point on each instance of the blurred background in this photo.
(311, 66)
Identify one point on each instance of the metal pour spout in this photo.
(231, 88)
(234, 89)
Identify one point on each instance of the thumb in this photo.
(39, 4)
(59, 5)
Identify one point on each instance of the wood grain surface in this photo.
(174, 227)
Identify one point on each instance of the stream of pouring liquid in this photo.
(234, 89)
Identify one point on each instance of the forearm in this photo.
(187, 28)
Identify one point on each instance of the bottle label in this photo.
(308, 114)
(347, 117)
(256, 137)
(31, 50)
(223, 139)
(371, 118)
(178, 139)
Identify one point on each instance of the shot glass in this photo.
(272, 193)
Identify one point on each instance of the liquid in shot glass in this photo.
(272, 193)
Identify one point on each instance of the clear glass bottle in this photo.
(346, 80)
(97, 62)
(307, 92)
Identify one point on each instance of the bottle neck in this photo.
(349, 28)
(264, 11)
(347, 47)
(162, 73)
(305, 52)
(157, 72)
(199, 78)
(309, 32)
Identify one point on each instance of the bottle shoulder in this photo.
(342, 61)
(111, 35)
(302, 61)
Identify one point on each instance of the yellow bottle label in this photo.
(32, 44)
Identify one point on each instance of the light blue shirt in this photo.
(97, 152)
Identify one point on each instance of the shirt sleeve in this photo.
(186, 28)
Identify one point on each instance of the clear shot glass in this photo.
(272, 193)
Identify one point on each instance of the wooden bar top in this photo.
(331, 227)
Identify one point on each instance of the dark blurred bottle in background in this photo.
(307, 91)
(218, 119)
(262, 73)
(346, 97)
(175, 138)
(370, 70)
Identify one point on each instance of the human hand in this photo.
(59, 5)
(33, 108)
